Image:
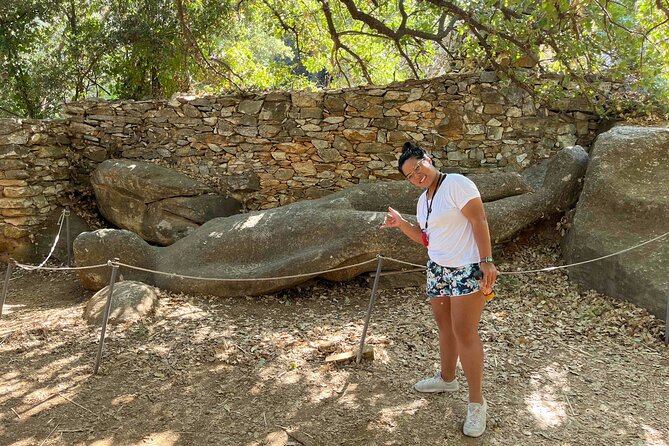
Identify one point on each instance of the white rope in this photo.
(61, 219)
(41, 266)
(403, 262)
(312, 274)
(550, 268)
(63, 268)
(216, 279)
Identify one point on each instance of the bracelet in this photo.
(487, 260)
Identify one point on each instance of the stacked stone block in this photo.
(34, 175)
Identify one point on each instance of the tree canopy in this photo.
(64, 50)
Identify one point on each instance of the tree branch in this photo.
(285, 26)
(663, 7)
(6, 110)
(199, 54)
(407, 58)
(325, 6)
(472, 23)
(383, 29)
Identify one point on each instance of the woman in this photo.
(453, 227)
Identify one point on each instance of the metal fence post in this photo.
(105, 317)
(369, 310)
(666, 319)
(8, 274)
(67, 236)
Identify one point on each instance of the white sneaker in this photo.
(476, 419)
(436, 384)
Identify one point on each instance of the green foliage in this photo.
(63, 50)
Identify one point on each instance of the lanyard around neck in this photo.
(429, 202)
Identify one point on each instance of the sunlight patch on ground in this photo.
(224, 350)
(55, 367)
(166, 438)
(24, 442)
(291, 377)
(38, 342)
(203, 334)
(9, 309)
(40, 400)
(160, 350)
(349, 397)
(336, 386)
(546, 402)
(652, 437)
(388, 417)
(11, 382)
(547, 411)
(123, 399)
(189, 311)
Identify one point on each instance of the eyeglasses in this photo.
(416, 170)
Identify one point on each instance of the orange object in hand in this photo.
(488, 294)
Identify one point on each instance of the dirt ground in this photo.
(563, 367)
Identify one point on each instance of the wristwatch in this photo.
(487, 260)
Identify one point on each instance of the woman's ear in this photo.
(429, 159)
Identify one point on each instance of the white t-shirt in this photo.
(450, 235)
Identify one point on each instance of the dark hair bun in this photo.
(410, 150)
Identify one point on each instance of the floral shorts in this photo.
(444, 281)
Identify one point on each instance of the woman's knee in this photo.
(466, 335)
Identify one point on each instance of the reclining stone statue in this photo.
(293, 243)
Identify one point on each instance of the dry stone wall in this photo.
(273, 148)
(283, 147)
(34, 176)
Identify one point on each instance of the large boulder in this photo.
(558, 183)
(157, 203)
(625, 201)
(298, 241)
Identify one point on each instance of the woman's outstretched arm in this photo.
(395, 220)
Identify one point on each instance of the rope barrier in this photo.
(62, 268)
(115, 264)
(551, 268)
(61, 219)
(317, 273)
(294, 276)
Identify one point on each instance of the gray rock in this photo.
(130, 302)
(98, 247)
(558, 192)
(250, 107)
(489, 76)
(246, 182)
(274, 111)
(498, 185)
(303, 238)
(625, 201)
(157, 203)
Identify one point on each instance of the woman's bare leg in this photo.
(465, 317)
(448, 348)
